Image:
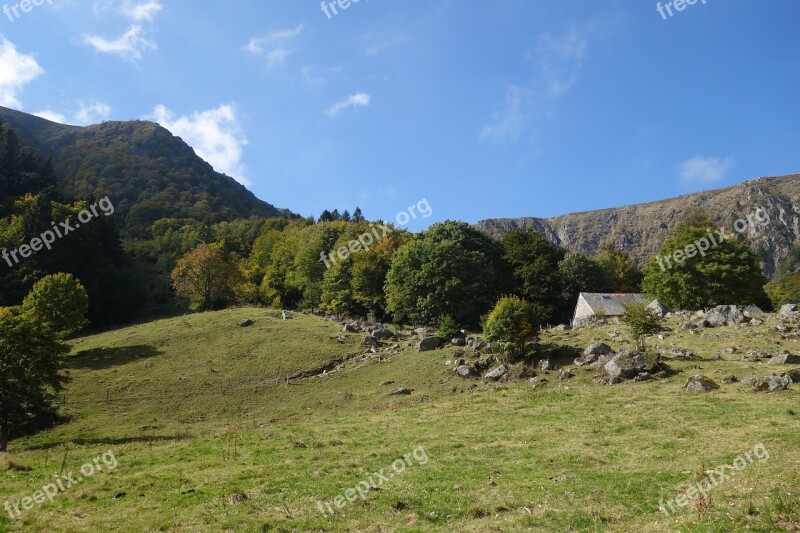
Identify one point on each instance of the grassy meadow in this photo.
(209, 436)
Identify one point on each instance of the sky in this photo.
(493, 109)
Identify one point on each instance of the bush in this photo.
(449, 328)
(512, 324)
(60, 301)
(642, 322)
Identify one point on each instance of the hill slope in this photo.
(195, 409)
(148, 173)
(641, 229)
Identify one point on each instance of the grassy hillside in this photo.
(208, 436)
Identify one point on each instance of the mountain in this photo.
(147, 172)
(641, 229)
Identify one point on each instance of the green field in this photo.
(208, 436)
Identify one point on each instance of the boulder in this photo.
(538, 382)
(593, 353)
(496, 374)
(724, 315)
(628, 365)
(771, 383)
(754, 356)
(429, 343)
(371, 341)
(286, 315)
(658, 308)
(678, 353)
(382, 333)
(698, 383)
(459, 341)
(398, 392)
(730, 380)
(785, 359)
(752, 311)
(349, 328)
(788, 309)
(644, 376)
(245, 323)
(564, 374)
(756, 322)
(464, 371)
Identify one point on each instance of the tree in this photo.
(335, 216)
(60, 301)
(346, 216)
(641, 322)
(512, 324)
(622, 272)
(32, 359)
(534, 264)
(206, 277)
(358, 216)
(726, 272)
(447, 270)
(577, 273)
(326, 216)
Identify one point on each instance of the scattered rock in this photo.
(752, 310)
(386, 383)
(679, 353)
(724, 315)
(564, 374)
(698, 383)
(658, 308)
(628, 365)
(382, 333)
(349, 328)
(730, 349)
(593, 352)
(781, 328)
(788, 310)
(771, 383)
(545, 365)
(496, 374)
(644, 376)
(730, 380)
(459, 341)
(399, 392)
(246, 323)
(785, 359)
(371, 341)
(464, 371)
(286, 315)
(429, 343)
(538, 382)
(756, 322)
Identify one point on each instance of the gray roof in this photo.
(612, 304)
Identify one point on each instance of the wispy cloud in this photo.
(136, 40)
(701, 170)
(375, 42)
(273, 46)
(355, 100)
(560, 58)
(508, 121)
(88, 112)
(16, 71)
(215, 134)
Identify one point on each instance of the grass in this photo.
(208, 436)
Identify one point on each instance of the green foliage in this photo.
(446, 270)
(578, 273)
(207, 277)
(60, 301)
(31, 365)
(641, 322)
(622, 273)
(728, 273)
(512, 324)
(448, 328)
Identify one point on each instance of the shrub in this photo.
(449, 328)
(512, 324)
(641, 322)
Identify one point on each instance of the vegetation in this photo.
(60, 301)
(641, 322)
(512, 324)
(206, 277)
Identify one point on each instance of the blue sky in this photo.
(486, 109)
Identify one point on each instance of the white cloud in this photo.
(215, 135)
(508, 121)
(146, 11)
(704, 170)
(272, 46)
(52, 116)
(88, 112)
(356, 100)
(16, 71)
(130, 45)
(560, 59)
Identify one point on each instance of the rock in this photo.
(794, 375)
(628, 365)
(788, 309)
(382, 333)
(286, 315)
(689, 325)
(593, 352)
(538, 382)
(658, 308)
(561, 327)
(399, 392)
(644, 376)
(245, 323)
(724, 315)
(424, 332)
(464, 371)
(496, 374)
(545, 365)
(698, 383)
(785, 359)
(429, 343)
(564, 374)
(781, 328)
(730, 349)
(459, 341)
(681, 354)
(752, 310)
(756, 322)
(730, 380)
(371, 341)
(754, 356)
(341, 338)
(772, 383)
(349, 328)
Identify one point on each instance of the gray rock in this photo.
(286, 315)
(545, 365)
(496, 374)
(350, 328)
(658, 308)
(398, 392)
(628, 365)
(564, 374)
(698, 383)
(593, 352)
(459, 341)
(682, 354)
(644, 376)
(754, 356)
(756, 322)
(371, 341)
(538, 382)
(788, 309)
(730, 380)
(464, 371)
(772, 383)
(724, 315)
(781, 328)
(689, 325)
(429, 343)
(752, 310)
(245, 323)
(382, 333)
(785, 359)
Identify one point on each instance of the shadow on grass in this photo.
(106, 441)
(100, 358)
